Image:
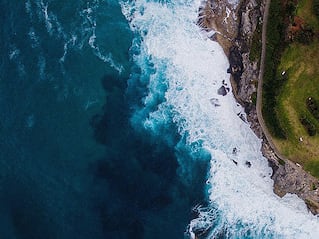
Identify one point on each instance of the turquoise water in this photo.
(71, 164)
(112, 127)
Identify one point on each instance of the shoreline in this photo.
(235, 26)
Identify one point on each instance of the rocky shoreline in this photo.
(235, 26)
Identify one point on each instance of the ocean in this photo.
(111, 126)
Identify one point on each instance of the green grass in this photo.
(272, 85)
(285, 96)
(306, 11)
(302, 66)
(255, 49)
(313, 167)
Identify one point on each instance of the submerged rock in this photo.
(214, 102)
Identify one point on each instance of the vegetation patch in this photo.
(281, 162)
(272, 84)
(309, 126)
(313, 107)
(316, 8)
(307, 10)
(313, 186)
(313, 167)
(291, 80)
(254, 98)
(305, 35)
(255, 49)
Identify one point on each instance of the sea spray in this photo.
(243, 204)
(87, 152)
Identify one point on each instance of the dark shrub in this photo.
(305, 36)
(313, 107)
(316, 7)
(310, 127)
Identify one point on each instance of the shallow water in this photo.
(111, 127)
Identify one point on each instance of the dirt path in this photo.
(291, 178)
(260, 86)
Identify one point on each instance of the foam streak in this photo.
(193, 68)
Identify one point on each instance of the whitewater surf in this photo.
(190, 69)
(113, 125)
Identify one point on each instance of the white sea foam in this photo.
(35, 42)
(14, 53)
(72, 42)
(90, 23)
(52, 24)
(15, 56)
(87, 34)
(28, 8)
(194, 68)
(42, 67)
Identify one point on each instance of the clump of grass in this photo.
(313, 107)
(313, 186)
(315, 7)
(281, 162)
(313, 167)
(255, 49)
(254, 98)
(309, 126)
(306, 35)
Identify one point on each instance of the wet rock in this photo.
(236, 63)
(221, 16)
(222, 91)
(242, 117)
(235, 151)
(235, 35)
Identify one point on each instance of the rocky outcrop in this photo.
(221, 16)
(234, 26)
(291, 178)
(236, 66)
(249, 14)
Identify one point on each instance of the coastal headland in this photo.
(241, 31)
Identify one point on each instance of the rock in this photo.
(290, 178)
(222, 91)
(242, 117)
(236, 63)
(222, 16)
(235, 151)
(234, 32)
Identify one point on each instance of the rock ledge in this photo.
(235, 25)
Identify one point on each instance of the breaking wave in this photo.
(183, 70)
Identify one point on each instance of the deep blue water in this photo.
(72, 162)
(111, 126)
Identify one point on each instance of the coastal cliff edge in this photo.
(235, 26)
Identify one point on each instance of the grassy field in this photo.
(305, 10)
(275, 46)
(301, 64)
